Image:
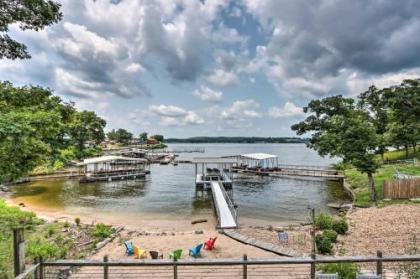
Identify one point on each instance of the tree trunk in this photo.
(372, 187)
(414, 147)
(382, 157)
(406, 151)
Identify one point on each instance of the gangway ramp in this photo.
(224, 207)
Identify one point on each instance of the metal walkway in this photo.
(225, 210)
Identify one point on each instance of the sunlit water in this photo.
(170, 190)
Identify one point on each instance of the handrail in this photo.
(268, 261)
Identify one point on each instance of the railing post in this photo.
(41, 267)
(379, 263)
(18, 251)
(36, 273)
(175, 268)
(105, 267)
(313, 270)
(245, 267)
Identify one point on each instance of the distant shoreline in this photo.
(236, 140)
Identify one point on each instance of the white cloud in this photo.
(221, 77)
(241, 110)
(208, 95)
(288, 110)
(176, 116)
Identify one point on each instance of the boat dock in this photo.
(303, 171)
(225, 209)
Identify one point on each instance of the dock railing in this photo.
(386, 266)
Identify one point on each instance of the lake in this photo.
(170, 190)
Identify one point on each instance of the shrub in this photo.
(77, 221)
(51, 231)
(323, 244)
(66, 224)
(340, 226)
(324, 221)
(332, 235)
(344, 270)
(41, 248)
(102, 230)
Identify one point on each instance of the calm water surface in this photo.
(170, 190)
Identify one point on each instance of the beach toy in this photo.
(129, 247)
(176, 255)
(139, 253)
(155, 254)
(209, 244)
(195, 252)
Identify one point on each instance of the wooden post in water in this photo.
(18, 251)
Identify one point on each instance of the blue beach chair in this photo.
(129, 247)
(195, 252)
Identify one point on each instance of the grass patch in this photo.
(400, 154)
(358, 181)
(50, 240)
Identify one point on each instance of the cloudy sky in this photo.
(189, 67)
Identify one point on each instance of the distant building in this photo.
(152, 141)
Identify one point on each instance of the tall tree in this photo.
(375, 103)
(340, 129)
(123, 136)
(404, 103)
(86, 126)
(158, 137)
(28, 14)
(143, 136)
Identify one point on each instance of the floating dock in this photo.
(226, 213)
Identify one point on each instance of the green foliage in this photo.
(331, 234)
(324, 221)
(340, 226)
(38, 128)
(323, 244)
(158, 137)
(30, 14)
(143, 136)
(344, 270)
(77, 221)
(45, 249)
(102, 230)
(121, 135)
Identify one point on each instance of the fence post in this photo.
(105, 267)
(18, 251)
(313, 270)
(41, 267)
(245, 267)
(36, 273)
(379, 263)
(175, 269)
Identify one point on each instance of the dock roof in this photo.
(258, 156)
(110, 158)
(213, 160)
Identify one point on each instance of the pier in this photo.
(225, 209)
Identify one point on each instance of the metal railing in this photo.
(387, 266)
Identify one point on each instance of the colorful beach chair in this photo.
(209, 244)
(139, 253)
(129, 247)
(196, 251)
(176, 255)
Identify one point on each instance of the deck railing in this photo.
(387, 266)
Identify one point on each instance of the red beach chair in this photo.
(209, 244)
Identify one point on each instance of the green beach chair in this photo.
(176, 255)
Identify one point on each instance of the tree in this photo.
(340, 129)
(404, 104)
(123, 136)
(28, 14)
(158, 137)
(143, 136)
(86, 126)
(112, 135)
(375, 103)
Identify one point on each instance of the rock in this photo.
(172, 233)
(270, 228)
(334, 205)
(198, 232)
(163, 233)
(4, 189)
(22, 204)
(199, 221)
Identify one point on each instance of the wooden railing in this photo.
(216, 268)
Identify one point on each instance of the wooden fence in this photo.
(402, 189)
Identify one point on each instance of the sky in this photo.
(186, 68)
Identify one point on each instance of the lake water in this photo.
(170, 190)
